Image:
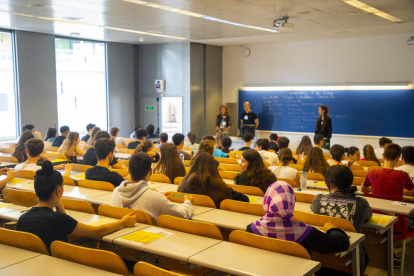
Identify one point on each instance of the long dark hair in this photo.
(50, 133)
(342, 178)
(316, 162)
(20, 150)
(204, 146)
(285, 156)
(369, 154)
(203, 178)
(192, 137)
(305, 145)
(257, 174)
(226, 144)
(326, 115)
(170, 163)
(46, 180)
(144, 146)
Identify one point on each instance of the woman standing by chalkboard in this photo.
(324, 126)
(223, 121)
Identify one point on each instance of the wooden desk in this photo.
(10, 255)
(243, 260)
(5, 164)
(228, 181)
(15, 215)
(11, 208)
(46, 265)
(227, 219)
(120, 155)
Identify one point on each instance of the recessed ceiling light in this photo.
(37, 6)
(72, 18)
(349, 13)
(74, 33)
(303, 12)
(155, 32)
(362, 6)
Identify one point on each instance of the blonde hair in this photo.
(226, 113)
(69, 145)
(219, 137)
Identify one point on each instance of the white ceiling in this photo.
(314, 19)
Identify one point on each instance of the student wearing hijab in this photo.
(278, 223)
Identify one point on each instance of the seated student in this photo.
(248, 139)
(217, 152)
(408, 161)
(278, 223)
(262, 146)
(49, 225)
(133, 134)
(191, 141)
(114, 131)
(318, 140)
(338, 154)
(51, 134)
(64, 132)
(342, 203)
(90, 157)
(387, 181)
(208, 147)
(383, 142)
(369, 154)
(178, 140)
(136, 194)
(141, 135)
(316, 162)
(169, 163)
(104, 149)
(20, 149)
(273, 142)
(151, 136)
(70, 147)
(283, 170)
(217, 140)
(10, 175)
(163, 139)
(226, 144)
(284, 143)
(304, 146)
(89, 128)
(31, 128)
(254, 172)
(33, 149)
(352, 153)
(90, 142)
(204, 179)
(148, 148)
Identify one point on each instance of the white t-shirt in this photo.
(269, 157)
(408, 169)
(284, 172)
(325, 151)
(27, 167)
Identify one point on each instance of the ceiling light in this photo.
(72, 18)
(362, 6)
(198, 15)
(37, 6)
(92, 25)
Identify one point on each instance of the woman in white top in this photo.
(283, 170)
(114, 131)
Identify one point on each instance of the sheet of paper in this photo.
(2, 205)
(320, 184)
(252, 199)
(14, 181)
(313, 192)
(80, 176)
(149, 235)
(380, 219)
(403, 204)
(101, 222)
(59, 160)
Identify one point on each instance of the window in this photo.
(81, 84)
(8, 128)
(172, 115)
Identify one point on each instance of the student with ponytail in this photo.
(148, 147)
(283, 170)
(49, 225)
(191, 141)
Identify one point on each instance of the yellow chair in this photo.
(267, 164)
(55, 155)
(160, 178)
(187, 169)
(53, 149)
(178, 180)
(80, 168)
(298, 167)
(123, 173)
(100, 259)
(359, 173)
(199, 200)
(78, 205)
(97, 185)
(315, 176)
(146, 269)
(25, 174)
(358, 181)
(19, 197)
(367, 163)
(127, 140)
(198, 228)
(118, 213)
(22, 240)
(187, 163)
(228, 174)
(227, 160)
(269, 244)
(120, 146)
(319, 220)
(8, 158)
(68, 181)
(356, 167)
(232, 155)
(307, 198)
(248, 190)
(374, 167)
(300, 162)
(187, 148)
(124, 162)
(289, 181)
(242, 207)
(231, 167)
(7, 150)
(270, 150)
(130, 151)
(238, 154)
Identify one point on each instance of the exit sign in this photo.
(149, 108)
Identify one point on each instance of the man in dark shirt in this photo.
(248, 139)
(104, 148)
(178, 140)
(248, 117)
(89, 128)
(64, 132)
(273, 142)
(151, 136)
(141, 135)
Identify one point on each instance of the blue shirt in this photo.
(219, 153)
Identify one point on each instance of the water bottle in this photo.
(303, 180)
(182, 157)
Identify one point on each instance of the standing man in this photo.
(248, 117)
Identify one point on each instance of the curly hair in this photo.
(257, 174)
(316, 162)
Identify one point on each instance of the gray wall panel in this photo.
(120, 66)
(37, 79)
(213, 72)
(197, 120)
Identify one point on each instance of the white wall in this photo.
(374, 59)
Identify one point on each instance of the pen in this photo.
(23, 211)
